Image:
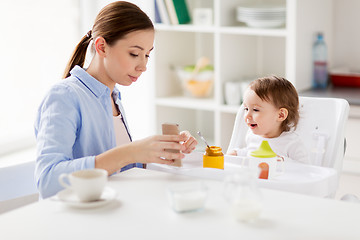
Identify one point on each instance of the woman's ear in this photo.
(100, 45)
(283, 114)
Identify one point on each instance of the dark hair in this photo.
(282, 94)
(112, 23)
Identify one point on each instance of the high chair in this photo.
(321, 127)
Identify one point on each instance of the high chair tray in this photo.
(298, 177)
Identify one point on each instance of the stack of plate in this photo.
(262, 16)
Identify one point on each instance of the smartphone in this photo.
(172, 129)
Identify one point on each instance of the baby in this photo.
(271, 106)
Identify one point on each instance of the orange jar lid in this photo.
(214, 151)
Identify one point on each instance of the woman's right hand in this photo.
(152, 149)
(148, 150)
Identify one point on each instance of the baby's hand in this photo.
(233, 152)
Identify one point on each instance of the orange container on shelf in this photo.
(213, 158)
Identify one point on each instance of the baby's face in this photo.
(262, 117)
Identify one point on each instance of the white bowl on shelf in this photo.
(265, 23)
(198, 85)
(261, 16)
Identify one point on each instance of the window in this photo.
(37, 39)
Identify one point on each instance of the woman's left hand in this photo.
(190, 143)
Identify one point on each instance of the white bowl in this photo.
(187, 196)
(265, 23)
(261, 16)
(196, 85)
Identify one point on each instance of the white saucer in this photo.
(69, 198)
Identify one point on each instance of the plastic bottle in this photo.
(320, 71)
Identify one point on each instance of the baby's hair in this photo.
(112, 23)
(282, 94)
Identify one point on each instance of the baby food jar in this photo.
(213, 158)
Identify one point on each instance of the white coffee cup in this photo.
(233, 93)
(87, 184)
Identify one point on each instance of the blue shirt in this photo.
(74, 123)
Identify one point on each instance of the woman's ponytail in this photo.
(79, 54)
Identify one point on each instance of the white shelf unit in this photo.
(237, 52)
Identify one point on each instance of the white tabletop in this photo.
(141, 211)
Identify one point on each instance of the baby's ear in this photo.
(283, 114)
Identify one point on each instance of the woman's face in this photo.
(262, 117)
(126, 60)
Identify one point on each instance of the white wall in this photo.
(37, 39)
(346, 34)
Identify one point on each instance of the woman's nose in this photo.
(142, 66)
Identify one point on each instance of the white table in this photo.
(141, 211)
(297, 178)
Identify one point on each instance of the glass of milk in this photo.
(243, 195)
(187, 196)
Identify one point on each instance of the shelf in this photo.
(187, 102)
(275, 32)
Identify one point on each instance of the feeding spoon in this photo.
(199, 133)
